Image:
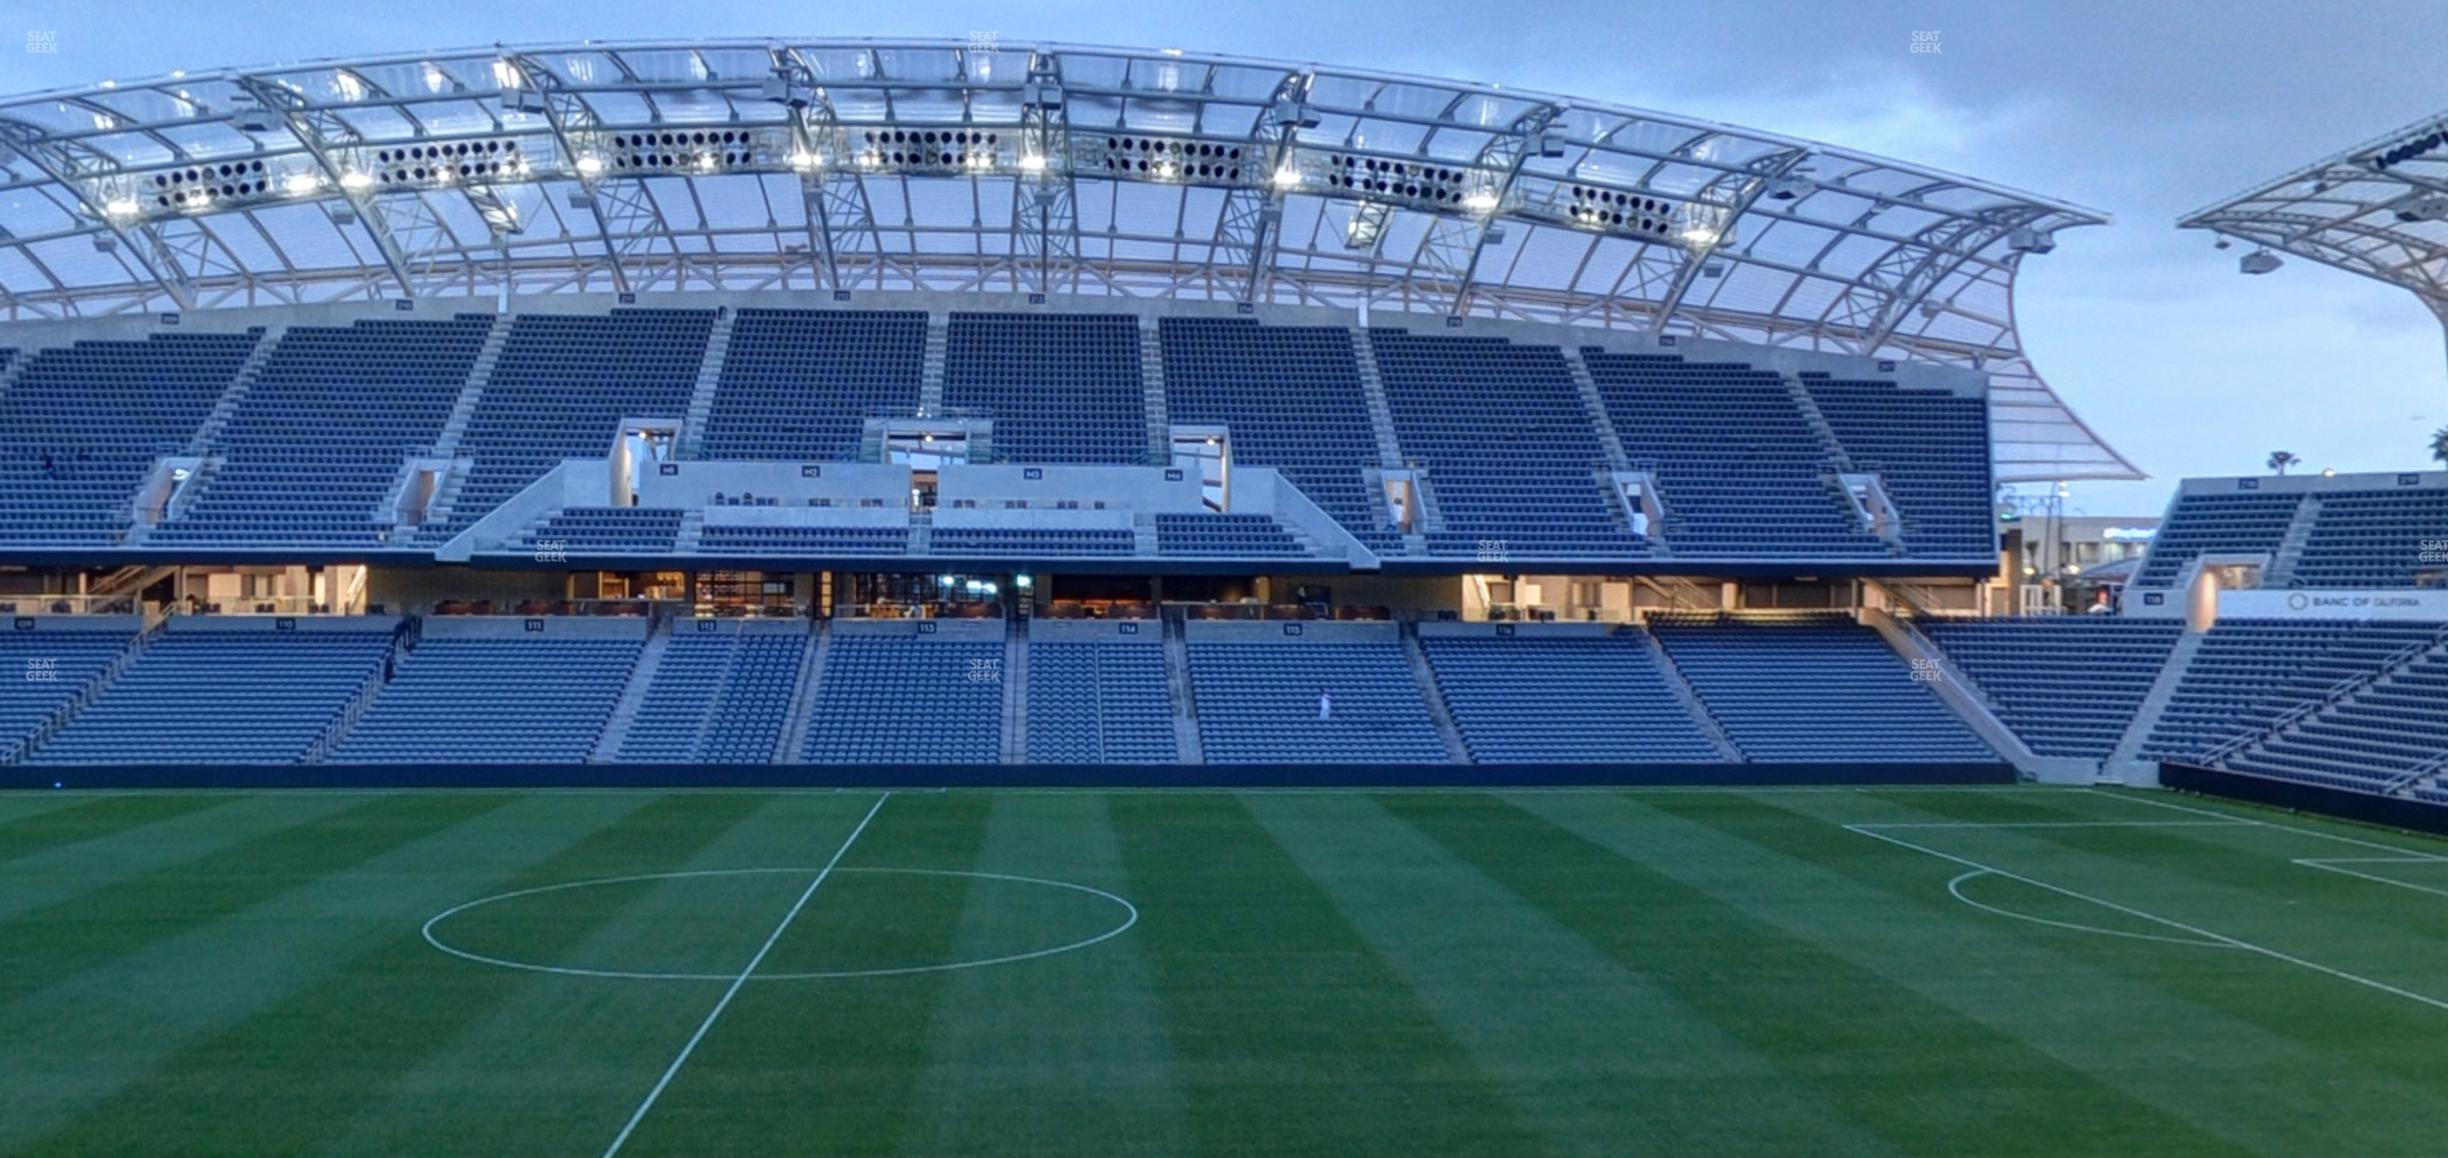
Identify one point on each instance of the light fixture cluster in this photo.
(962, 150)
(1419, 182)
(677, 150)
(1171, 159)
(1617, 211)
(445, 163)
(199, 186)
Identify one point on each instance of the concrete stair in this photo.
(1690, 700)
(208, 436)
(1015, 691)
(2281, 571)
(1372, 387)
(931, 387)
(1456, 750)
(641, 676)
(2125, 763)
(1152, 392)
(1596, 406)
(709, 379)
(803, 702)
(1186, 745)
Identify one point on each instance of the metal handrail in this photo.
(2335, 692)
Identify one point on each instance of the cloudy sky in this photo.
(2143, 109)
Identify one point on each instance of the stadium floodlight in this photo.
(1032, 163)
(356, 181)
(590, 166)
(1481, 201)
(2431, 208)
(301, 184)
(122, 208)
(707, 163)
(2029, 240)
(2259, 261)
(803, 160)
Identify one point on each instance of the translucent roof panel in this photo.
(1148, 172)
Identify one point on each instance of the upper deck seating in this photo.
(1292, 399)
(326, 426)
(1930, 449)
(2395, 538)
(1513, 463)
(83, 426)
(798, 385)
(1739, 469)
(1062, 388)
(2246, 522)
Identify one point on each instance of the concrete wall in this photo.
(1290, 632)
(536, 627)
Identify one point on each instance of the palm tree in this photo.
(2439, 446)
(2280, 460)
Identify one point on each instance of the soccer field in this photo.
(2010, 971)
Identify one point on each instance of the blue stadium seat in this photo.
(2067, 685)
(1062, 388)
(717, 698)
(798, 385)
(223, 697)
(1582, 699)
(886, 699)
(1813, 689)
(1258, 704)
(494, 700)
(1098, 703)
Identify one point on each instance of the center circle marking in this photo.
(1130, 917)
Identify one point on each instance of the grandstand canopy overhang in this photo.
(2379, 209)
(950, 166)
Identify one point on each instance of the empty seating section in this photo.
(83, 425)
(607, 529)
(717, 698)
(494, 700)
(560, 389)
(2245, 522)
(1235, 535)
(1098, 703)
(780, 541)
(43, 672)
(2068, 685)
(1930, 449)
(889, 699)
(1817, 689)
(2248, 673)
(1512, 458)
(2372, 739)
(2376, 539)
(1062, 388)
(1031, 541)
(798, 385)
(1739, 468)
(1292, 398)
(1258, 704)
(223, 697)
(1601, 699)
(318, 442)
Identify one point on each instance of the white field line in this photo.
(2406, 853)
(1955, 888)
(2170, 922)
(2332, 864)
(2053, 824)
(737, 982)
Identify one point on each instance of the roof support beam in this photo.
(94, 194)
(324, 135)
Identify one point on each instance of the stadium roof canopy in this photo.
(945, 165)
(2379, 209)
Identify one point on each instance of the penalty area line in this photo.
(745, 972)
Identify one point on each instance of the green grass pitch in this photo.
(1823, 972)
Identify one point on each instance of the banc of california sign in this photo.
(2340, 604)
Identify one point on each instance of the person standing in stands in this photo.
(1325, 705)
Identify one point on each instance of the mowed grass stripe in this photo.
(2099, 1003)
(1060, 1055)
(292, 1077)
(75, 819)
(2197, 876)
(829, 1067)
(556, 1063)
(78, 1042)
(77, 868)
(1291, 1034)
(60, 940)
(1884, 1058)
(1586, 1042)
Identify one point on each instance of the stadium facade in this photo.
(827, 411)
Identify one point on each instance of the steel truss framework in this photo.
(2379, 209)
(949, 166)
